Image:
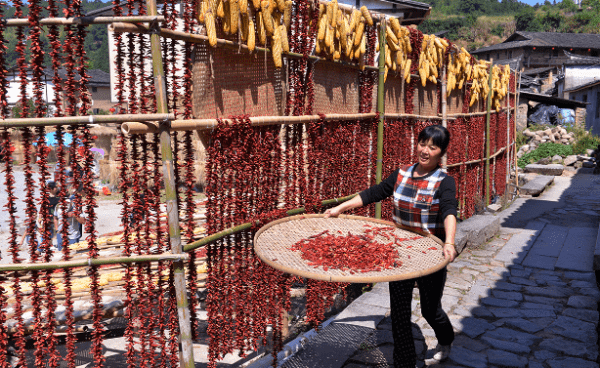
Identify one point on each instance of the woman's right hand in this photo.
(334, 212)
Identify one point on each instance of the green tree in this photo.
(567, 5)
(526, 21)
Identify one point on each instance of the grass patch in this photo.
(547, 149)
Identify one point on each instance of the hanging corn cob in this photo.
(340, 34)
(398, 47)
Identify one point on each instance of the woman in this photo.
(424, 200)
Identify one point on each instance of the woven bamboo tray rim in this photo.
(286, 232)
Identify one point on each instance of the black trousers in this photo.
(431, 289)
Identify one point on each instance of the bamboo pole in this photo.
(92, 262)
(444, 110)
(507, 179)
(380, 110)
(24, 22)
(478, 160)
(248, 225)
(208, 124)
(186, 348)
(474, 113)
(487, 138)
(80, 120)
(414, 116)
(198, 38)
(517, 95)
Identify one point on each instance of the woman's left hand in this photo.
(450, 252)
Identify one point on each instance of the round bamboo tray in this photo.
(273, 241)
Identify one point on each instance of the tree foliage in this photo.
(96, 42)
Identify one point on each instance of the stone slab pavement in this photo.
(526, 298)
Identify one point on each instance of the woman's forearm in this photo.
(450, 228)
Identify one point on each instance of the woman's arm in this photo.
(348, 205)
(449, 247)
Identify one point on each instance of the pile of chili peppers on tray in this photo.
(352, 252)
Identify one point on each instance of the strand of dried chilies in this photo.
(5, 152)
(124, 185)
(142, 240)
(162, 244)
(11, 207)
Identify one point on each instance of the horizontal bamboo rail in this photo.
(467, 114)
(24, 22)
(248, 225)
(207, 124)
(413, 116)
(481, 159)
(92, 262)
(82, 120)
(198, 38)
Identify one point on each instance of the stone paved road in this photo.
(527, 298)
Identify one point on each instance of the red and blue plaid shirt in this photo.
(415, 204)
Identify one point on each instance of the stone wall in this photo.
(522, 116)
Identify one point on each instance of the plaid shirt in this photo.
(414, 203)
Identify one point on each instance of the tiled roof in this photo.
(97, 77)
(583, 86)
(546, 39)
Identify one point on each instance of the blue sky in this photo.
(532, 2)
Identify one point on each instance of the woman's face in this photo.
(428, 154)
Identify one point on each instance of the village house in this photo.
(542, 49)
(98, 87)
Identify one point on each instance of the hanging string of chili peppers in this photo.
(243, 295)
(124, 185)
(9, 182)
(367, 78)
(416, 40)
(456, 153)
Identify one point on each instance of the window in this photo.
(94, 89)
(95, 111)
(510, 54)
(584, 97)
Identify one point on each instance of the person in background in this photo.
(74, 220)
(424, 201)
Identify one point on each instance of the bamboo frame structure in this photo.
(83, 120)
(487, 138)
(208, 124)
(198, 38)
(186, 347)
(24, 22)
(380, 110)
(236, 229)
(92, 262)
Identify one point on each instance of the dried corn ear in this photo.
(287, 14)
(285, 46)
(366, 15)
(276, 48)
(211, 30)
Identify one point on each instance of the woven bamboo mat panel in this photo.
(336, 89)
(227, 83)
(455, 102)
(272, 244)
(394, 94)
(426, 99)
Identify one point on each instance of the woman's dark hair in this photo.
(438, 135)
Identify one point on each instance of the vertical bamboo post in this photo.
(380, 109)
(186, 350)
(487, 137)
(444, 110)
(517, 92)
(508, 149)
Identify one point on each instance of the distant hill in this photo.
(477, 23)
(96, 42)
